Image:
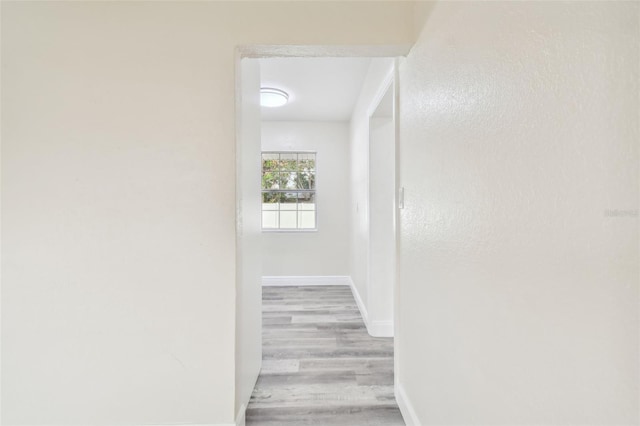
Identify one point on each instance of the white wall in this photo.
(519, 294)
(359, 262)
(118, 199)
(248, 243)
(325, 251)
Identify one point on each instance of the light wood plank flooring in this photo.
(320, 366)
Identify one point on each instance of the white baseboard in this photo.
(240, 417)
(375, 328)
(360, 303)
(406, 407)
(381, 328)
(305, 280)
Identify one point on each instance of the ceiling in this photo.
(320, 89)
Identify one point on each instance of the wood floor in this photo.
(320, 366)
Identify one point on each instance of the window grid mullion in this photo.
(282, 177)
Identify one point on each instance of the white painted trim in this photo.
(406, 407)
(381, 328)
(360, 303)
(375, 328)
(240, 417)
(382, 90)
(314, 51)
(305, 280)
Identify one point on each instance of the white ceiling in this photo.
(320, 89)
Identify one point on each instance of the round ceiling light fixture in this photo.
(272, 98)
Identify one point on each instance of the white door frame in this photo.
(377, 327)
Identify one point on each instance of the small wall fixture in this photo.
(272, 98)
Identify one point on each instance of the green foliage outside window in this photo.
(284, 175)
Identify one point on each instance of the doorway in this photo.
(382, 208)
(368, 205)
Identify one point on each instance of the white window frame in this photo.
(313, 191)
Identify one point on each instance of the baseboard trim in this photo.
(406, 407)
(375, 328)
(240, 417)
(360, 303)
(305, 280)
(381, 328)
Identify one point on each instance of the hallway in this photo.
(320, 366)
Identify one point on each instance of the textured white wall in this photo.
(118, 199)
(324, 252)
(519, 295)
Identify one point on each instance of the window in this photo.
(288, 190)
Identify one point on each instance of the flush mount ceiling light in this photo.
(271, 98)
